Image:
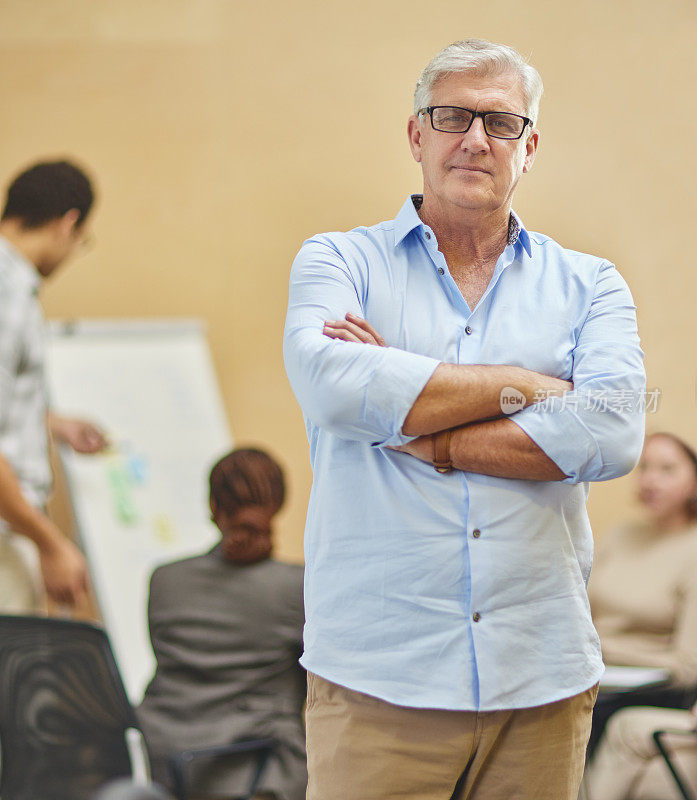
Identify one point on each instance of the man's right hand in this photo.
(64, 571)
(353, 329)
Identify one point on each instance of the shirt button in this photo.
(476, 616)
(476, 533)
(468, 330)
(427, 235)
(441, 271)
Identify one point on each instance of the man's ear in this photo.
(68, 222)
(414, 132)
(531, 145)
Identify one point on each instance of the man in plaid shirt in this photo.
(44, 222)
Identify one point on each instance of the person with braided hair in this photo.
(226, 630)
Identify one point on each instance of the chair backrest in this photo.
(63, 710)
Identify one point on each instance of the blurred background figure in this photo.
(43, 223)
(627, 764)
(643, 589)
(226, 629)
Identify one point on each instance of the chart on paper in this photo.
(151, 386)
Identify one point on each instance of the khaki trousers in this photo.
(362, 748)
(21, 586)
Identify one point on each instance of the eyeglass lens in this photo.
(497, 124)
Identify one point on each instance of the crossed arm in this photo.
(461, 398)
(387, 397)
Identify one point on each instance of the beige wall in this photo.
(223, 132)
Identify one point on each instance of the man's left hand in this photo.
(82, 436)
(421, 448)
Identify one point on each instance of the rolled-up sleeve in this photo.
(596, 431)
(352, 390)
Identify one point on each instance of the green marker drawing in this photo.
(120, 482)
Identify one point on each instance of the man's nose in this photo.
(476, 137)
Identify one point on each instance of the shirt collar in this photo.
(518, 232)
(23, 267)
(408, 219)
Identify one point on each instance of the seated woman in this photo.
(627, 764)
(226, 629)
(643, 590)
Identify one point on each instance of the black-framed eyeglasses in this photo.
(498, 124)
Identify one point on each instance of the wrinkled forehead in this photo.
(491, 91)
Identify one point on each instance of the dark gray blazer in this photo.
(227, 640)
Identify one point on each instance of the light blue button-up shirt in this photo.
(457, 591)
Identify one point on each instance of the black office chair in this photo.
(67, 727)
(678, 777)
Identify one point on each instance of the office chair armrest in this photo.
(178, 761)
(678, 777)
(138, 756)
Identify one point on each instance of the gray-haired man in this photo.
(448, 638)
